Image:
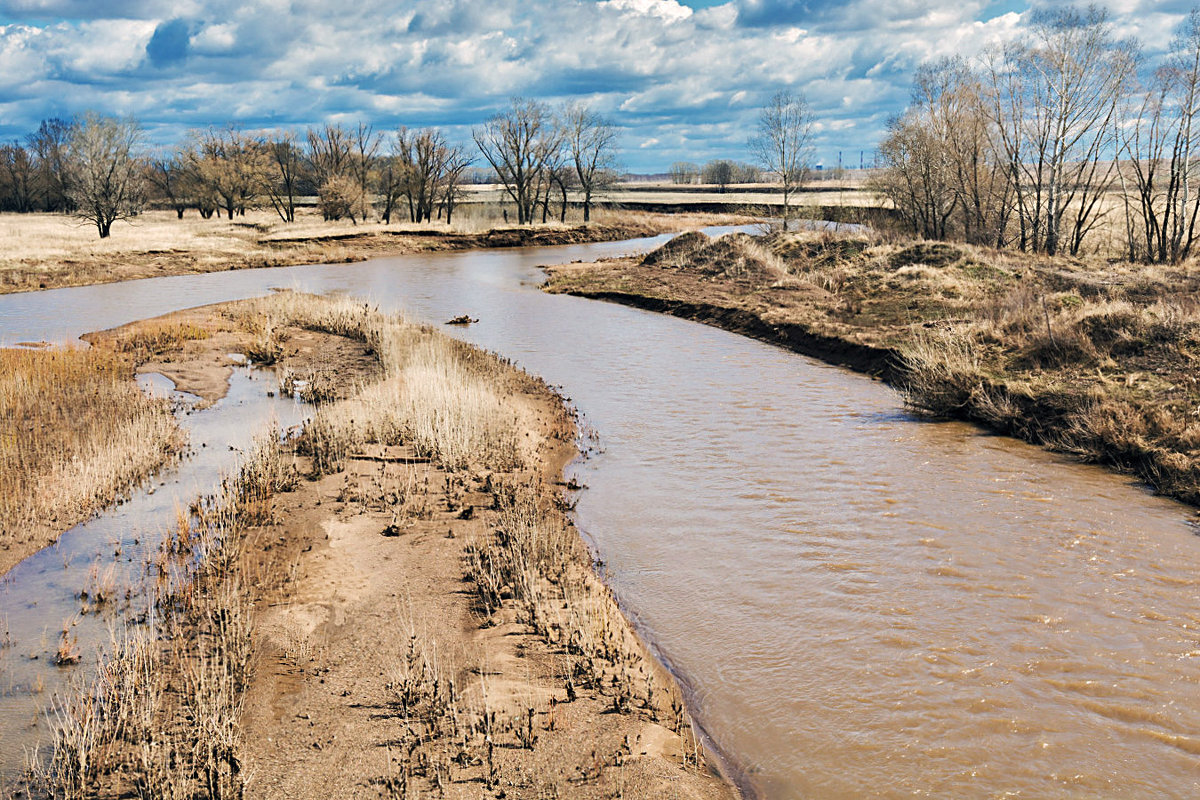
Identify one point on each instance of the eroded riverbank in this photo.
(1098, 365)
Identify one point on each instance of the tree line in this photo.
(1039, 144)
(719, 172)
(781, 144)
(99, 169)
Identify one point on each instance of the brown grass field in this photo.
(1091, 357)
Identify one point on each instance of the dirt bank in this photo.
(1095, 359)
(49, 251)
(419, 615)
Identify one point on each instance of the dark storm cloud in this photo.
(169, 44)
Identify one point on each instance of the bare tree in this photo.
(1160, 145)
(17, 178)
(330, 151)
(1054, 100)
(422, 158)
(561, 176)
(783, 144)
(168, 175)
(684, 172)
(457, 164)
(555, 173)
(48, 145)
(390, 186)
(229, 165)
(347, 156)
(951, 93)
(591, 141)
(104, 170)
(916, 177)
(519, 143)
(719, 173)
(284, 172)
(941, 170)
(365, 146)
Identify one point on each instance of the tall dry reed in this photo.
(75, 433)
(442, 397)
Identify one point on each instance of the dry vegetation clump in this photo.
(930, 254)
(679, 250)
(440, 396)
(146, 341)
(736, 256)
(823, 251)
(162, 717)
(77, 433)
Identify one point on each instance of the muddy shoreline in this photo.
(378, 660)
(776, 309)
(878, 362)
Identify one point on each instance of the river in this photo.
(858, 603)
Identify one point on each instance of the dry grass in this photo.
(144, 342)
(38, 238)
(440, 396)
(77, 433)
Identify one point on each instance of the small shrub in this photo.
(931, 254)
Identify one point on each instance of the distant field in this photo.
(661, 196)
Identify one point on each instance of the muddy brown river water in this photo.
(859, 603)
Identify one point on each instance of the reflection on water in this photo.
(860, 604)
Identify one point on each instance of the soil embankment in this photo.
(1092, 359)
(396, 600)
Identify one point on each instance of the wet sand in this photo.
(360, 586)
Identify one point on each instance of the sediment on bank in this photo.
(1094, 359)
(392, 604)
(54, 252)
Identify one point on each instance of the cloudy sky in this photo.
(684, 78)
